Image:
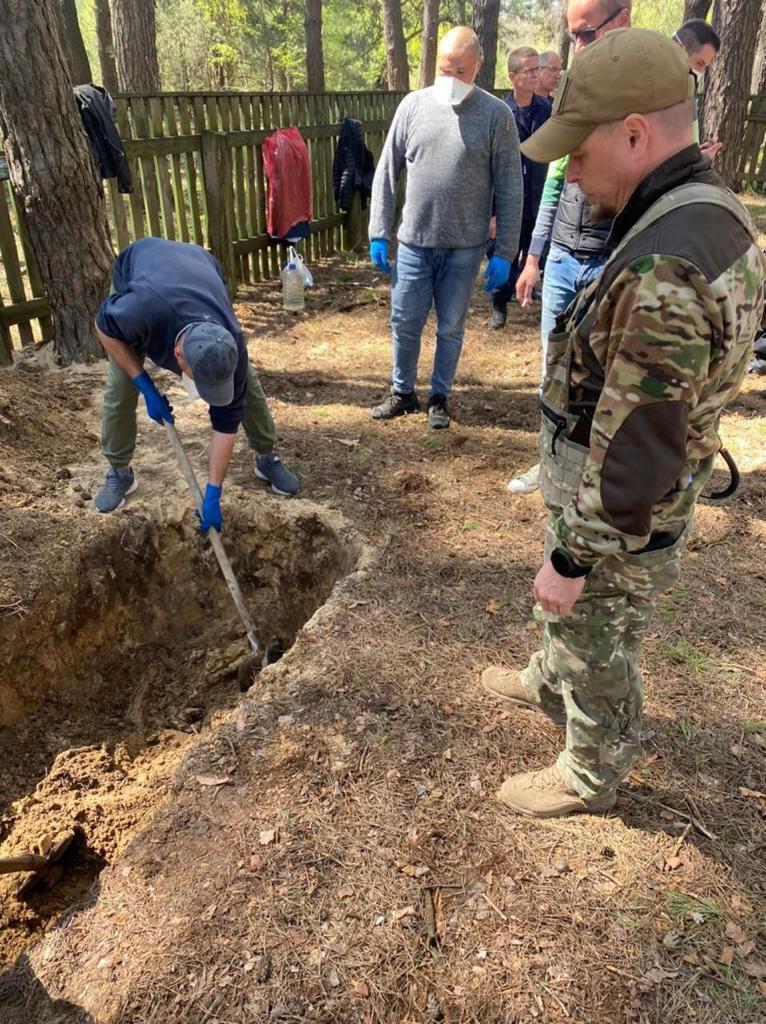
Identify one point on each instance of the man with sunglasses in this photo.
(530, 111)
(577, 240)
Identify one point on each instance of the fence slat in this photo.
(11, 262)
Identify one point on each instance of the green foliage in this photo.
(260, 45)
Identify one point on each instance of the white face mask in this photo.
(450, 90)
(189, 386)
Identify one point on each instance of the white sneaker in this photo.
(526, 483)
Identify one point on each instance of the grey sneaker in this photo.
(438, 417)
(526, 483)
(396, 405)
(498, 317)
(118, 485)
(271, 469)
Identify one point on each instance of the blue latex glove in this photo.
(157, 406)
(211, 509)
(497, 273)
(379, 254)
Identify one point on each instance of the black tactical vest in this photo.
(573, 229)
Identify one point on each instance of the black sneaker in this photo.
(396, 405)
(438, 417)
(498, 318)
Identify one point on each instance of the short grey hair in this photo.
(545, 57)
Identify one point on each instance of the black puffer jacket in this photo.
(353, 166)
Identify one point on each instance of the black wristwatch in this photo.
(566, 566)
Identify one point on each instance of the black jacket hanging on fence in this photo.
(98, 113)
(353, 166)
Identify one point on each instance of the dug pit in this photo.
(130, 651)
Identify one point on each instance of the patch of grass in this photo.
(360, 457)
(435, 441)
(684, 652)
(688, 729)
(732, 995)
(469, 524)
(320, 412)
(756, 727)
(692, 907)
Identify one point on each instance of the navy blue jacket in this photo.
(533, 173)
(160, 287)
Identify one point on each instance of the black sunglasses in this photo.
(588, 35)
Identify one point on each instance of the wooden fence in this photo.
(197, 168)
(752, 167)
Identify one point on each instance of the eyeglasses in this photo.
(588, 35)
(528, 71)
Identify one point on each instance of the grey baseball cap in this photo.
(212, 355)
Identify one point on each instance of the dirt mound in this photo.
(95, 713)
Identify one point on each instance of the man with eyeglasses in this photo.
(550, 75)
(529, 112)
(577, 241)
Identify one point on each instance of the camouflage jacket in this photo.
(657, 346)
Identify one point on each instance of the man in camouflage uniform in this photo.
(639, 371)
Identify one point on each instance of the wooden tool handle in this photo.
(215, 539)
(26, 862)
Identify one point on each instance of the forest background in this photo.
(260, 45)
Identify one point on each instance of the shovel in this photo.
(46, 868)
(260, 656)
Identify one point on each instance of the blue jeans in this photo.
(565, 276)
(421, 278)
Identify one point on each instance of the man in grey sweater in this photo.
(460, 147)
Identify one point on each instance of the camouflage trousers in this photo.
(588, 665)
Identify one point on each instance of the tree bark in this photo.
(314, 52)
(758, 82)
(106, 46)
(54, 179)
(696, 9)
(728, 83)
(430, 41)
(564, 42)
(486, 14)
(461, 12)
(396, 48)
(79, 65)
(136, 39)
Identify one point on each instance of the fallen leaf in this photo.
(344, 892)
(349, 442)
(755, 970)
(267, 836)
(412, 870)
(361, 989)
(493, 606)
(404, 912)
(213, 780)
(737, 749)
(447, 755)
(726, 956)
(697, 917)
(332, 977)
(735, 933)
(672, 864)
(745, 949)
(671, 939)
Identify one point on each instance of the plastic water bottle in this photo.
(292, 287)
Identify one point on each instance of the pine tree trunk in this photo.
(564, 42)
(486, 14)
(728, 84)
(314, 52)
(758, 82)
(55, 182)
(430, 41)
(696, 9)
(106, 46)
(79, 65)
(136, 39)
(397, 68)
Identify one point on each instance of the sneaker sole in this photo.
(107, 511)
(527, 705)
(596, 807)
(438, 426)
(276, 490)
(522, 490)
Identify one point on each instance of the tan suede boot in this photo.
(506, 685)
(545, 794)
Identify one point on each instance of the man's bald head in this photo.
(460, 41)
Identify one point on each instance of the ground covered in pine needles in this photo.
(326, 847)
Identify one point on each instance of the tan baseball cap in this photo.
(627, 71)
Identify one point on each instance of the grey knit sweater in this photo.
(457, 159)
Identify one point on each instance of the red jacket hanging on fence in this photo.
(288, 168)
